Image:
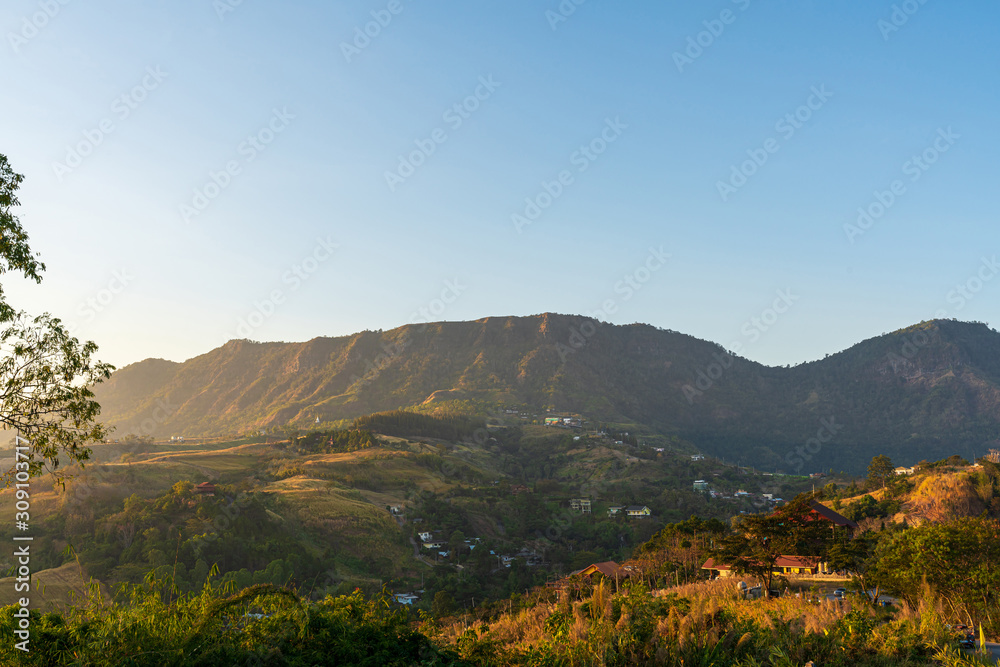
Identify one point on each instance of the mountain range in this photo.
(924, 392)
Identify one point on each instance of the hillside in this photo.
(919, 393)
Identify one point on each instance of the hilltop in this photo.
(919, 393)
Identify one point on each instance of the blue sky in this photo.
(201, 171)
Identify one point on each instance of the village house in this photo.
(638, 511)
(613, 510)
(581, 505)
(700, 485)
(205, 489)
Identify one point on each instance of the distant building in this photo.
(615, 509)
(205, 489)
(700, 485)
(608, 569)
(581, 505)
(637, 511)
(697, 457)
(901, 470)
(822, 511)
(552, 421)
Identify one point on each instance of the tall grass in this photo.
(704, 624)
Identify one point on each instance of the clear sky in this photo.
(202, 171)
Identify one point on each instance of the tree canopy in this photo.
(45, 373)
(880, 471)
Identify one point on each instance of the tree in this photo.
(857, 556)
(958, 560)
(443, 604)
(754, 548)
(760, 538)
(880, 471)
(45, 373)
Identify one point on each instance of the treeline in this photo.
(402, 424)
(336, 442)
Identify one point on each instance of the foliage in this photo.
(958, 559)
(261, 625)
(880, 471)
(405, 423)
(45, 374)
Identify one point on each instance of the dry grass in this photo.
(50, 589)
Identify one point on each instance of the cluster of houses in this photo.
(433, 542)
(703, 486)
(565, 422)
(585, 506)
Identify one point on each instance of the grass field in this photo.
(50, 589)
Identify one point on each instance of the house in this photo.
(717, 569)
(700, 485)
(615, 509)
(205, 489)
(405, 598)
(904, 471)
(581, 505)
(552, 421)
(697, 457)
(609, 569)
(395, 510)
(637, 511)
(797, 565)
(425, 536)
(432, 545)
(519, 488)
(820, 511)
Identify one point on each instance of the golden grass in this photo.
(50, 589)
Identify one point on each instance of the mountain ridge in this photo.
(923, 391)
